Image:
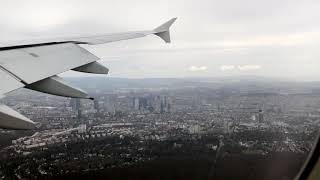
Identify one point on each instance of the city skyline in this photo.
(146, 126)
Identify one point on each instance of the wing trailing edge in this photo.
(55, 85)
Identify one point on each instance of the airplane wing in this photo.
(35, 65)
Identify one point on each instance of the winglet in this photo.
(163, 31)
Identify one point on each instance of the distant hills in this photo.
(243, 83)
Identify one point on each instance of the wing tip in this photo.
(163, 31)
(165, 26)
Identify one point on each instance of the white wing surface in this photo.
(35, 65)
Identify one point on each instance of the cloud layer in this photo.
(198, 68)
(211, 37)
(246, 67)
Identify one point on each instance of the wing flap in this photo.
(37, 63)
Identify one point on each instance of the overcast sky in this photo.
(273, 38)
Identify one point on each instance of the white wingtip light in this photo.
(10, 119)
(163, 31)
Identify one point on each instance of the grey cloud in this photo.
(208, 33)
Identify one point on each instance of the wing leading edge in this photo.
(35, 65)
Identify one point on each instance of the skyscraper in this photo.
(79, 114)
(260, 116)
(96, 105)
(75, 104)
(136, 104)
(165, 105)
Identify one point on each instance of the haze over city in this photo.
(164, 129)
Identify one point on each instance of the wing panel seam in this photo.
(13, 75)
